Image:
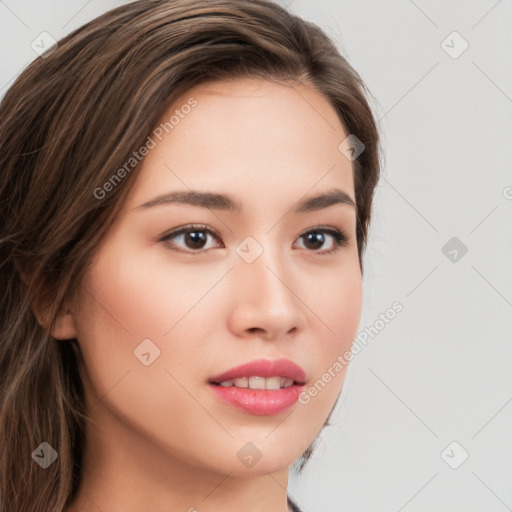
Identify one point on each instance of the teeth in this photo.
(241, 383)
(259, 382)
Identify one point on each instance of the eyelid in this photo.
(341, 239)
(191, 227)
(185, 229)
(340, 236)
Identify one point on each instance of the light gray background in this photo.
(441, 370)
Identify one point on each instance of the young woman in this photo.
(185, 195)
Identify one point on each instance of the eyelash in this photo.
(340, 238)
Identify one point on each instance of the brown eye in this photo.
(192, 238)
(316, 238)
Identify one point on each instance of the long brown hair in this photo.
(71, 120)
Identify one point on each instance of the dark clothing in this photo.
(292, 505)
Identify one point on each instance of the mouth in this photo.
(255, 382)
(262, 387)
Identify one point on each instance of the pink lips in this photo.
(264, 368)
(261, 401)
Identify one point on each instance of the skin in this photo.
(159, 439)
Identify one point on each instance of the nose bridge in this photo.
(264, 297)
(257, 265)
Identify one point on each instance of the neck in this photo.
(146, 477)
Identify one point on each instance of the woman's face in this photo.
(162, 313)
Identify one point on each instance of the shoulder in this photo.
(293, 507)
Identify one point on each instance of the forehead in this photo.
(250, 138)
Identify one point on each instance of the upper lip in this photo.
(264, 368)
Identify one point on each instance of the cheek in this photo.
(338, 305)
(337, 310)
(126, 301)
(138, 298)
(124, 304)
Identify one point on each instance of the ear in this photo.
(65, 325)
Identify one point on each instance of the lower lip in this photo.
(258, 401)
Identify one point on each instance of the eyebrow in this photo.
(224, 202)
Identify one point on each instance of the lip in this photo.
(258, 401)
(261, 401)
(264, 368)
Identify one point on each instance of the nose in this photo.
(264, 300)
